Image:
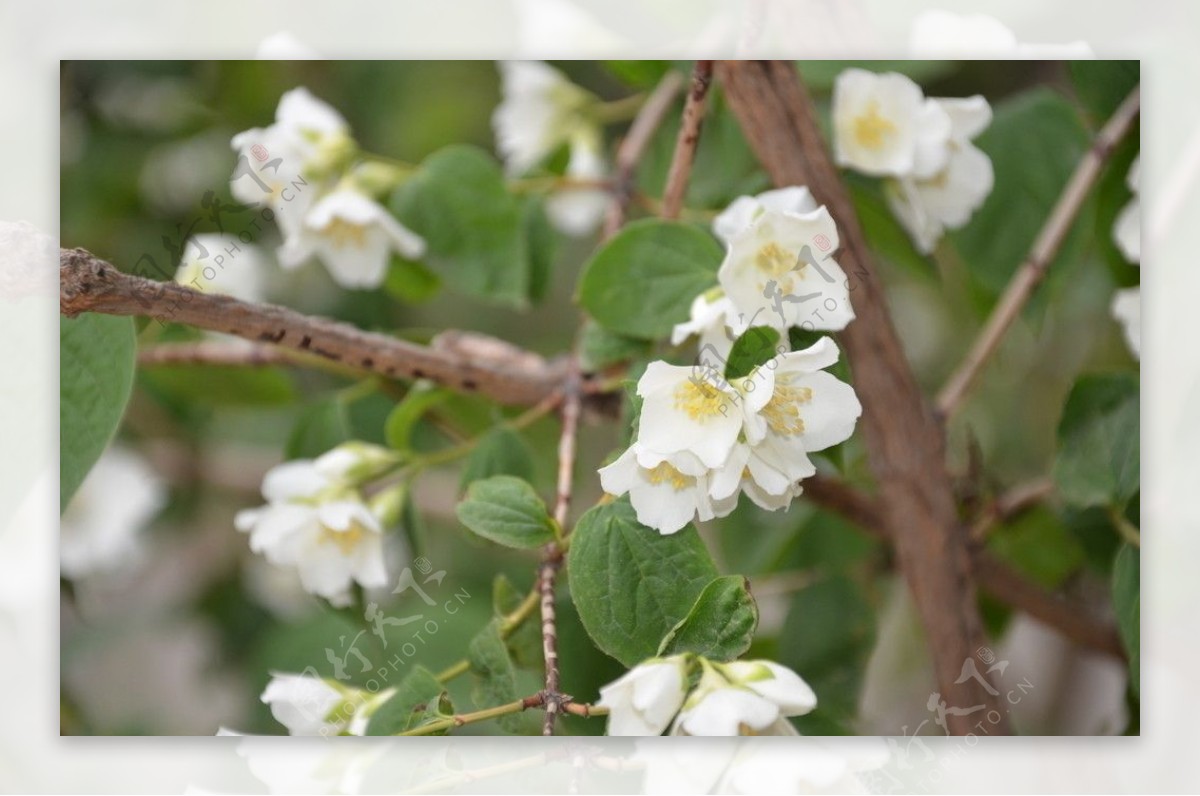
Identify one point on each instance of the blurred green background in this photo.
(185, 641)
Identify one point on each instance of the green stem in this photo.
(508, 623)
(1128, 531)
(619, 110)
(441, 725)
(526, 418)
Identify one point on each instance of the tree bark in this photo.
(906, 448)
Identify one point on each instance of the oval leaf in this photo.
(632, 585)
(507, 511)
(643, 281)
(1099, 456)
(720, 625)
(96, 364)
(410, 706)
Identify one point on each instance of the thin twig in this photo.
(1048, 241)
(552, 557)
(88, 284)
(1009, 505)
(634, 145)
(689, 137)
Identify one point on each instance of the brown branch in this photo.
(1009, 505)
(1048, 241)
(689, 137)
(904, 440)
(1072, 618)
(88, 284)
(634, 145)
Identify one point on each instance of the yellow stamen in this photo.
(700, 400)
(773, 260)
(345, 540)
(872, 129)
(665, 472)
(345, 233)
(782, 412)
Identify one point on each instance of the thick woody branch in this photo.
(688, 139)
(904, 440)
(1045, 247)
(89, 284)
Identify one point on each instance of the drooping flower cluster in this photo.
(317, 521)
(299, 168)
(885, 126)
(703, 439)
(1127, 233)
(542, 110)
(696, 696)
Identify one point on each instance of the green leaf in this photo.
(497, 679)
(643, 281)
(827, 638)
(1127, 600)
(96, 365)
(1103, 85)
(600, 348)
(399, 426)
(1034, 142)
(631, 584)
(409, 706)
(501, 451)
(639, 74)
(410, 281)
(1040, 545)
(525, 641)
(321, 427)
(542, 245)
(507, 511)
(757, 346)
(475, 230)
(1099, 456)
(720, 625)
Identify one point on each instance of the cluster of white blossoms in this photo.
(541, 110)
(299, 168)
(317, 521)
(885, 126)
(1127, 233)
(736, 698)
(704, 439)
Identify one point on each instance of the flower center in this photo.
(345, 540)
(773, 260)
(871, 129)
(345, 233)
(782, 412)
(700, 400)
(668, 474)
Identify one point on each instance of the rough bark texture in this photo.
(904, 440)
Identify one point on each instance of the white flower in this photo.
(354, 236)
(316, 521)
(878, 122)
(666, 494)
(540, 111)
(808, 410)
(100, 528)
(1127, 308)
(929, 204)
(714, 319)
(742, 211)
(579, 210)
(309, 705)
(778, 272)
(745, 698)
(645, 699)
(691, 410)
(943, 34)
(1127, 232)
(213, 263)
(275, 163)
